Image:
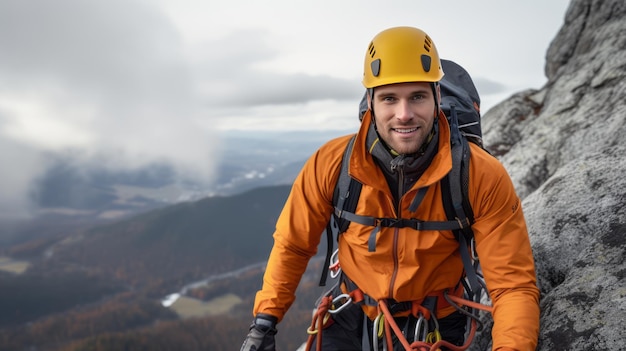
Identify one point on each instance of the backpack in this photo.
(460, 102)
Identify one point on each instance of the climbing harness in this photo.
(385, 326)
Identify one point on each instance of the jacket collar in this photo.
(363, 168)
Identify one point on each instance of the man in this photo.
(403, 145)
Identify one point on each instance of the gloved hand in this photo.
(261, 335)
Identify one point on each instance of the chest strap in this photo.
(413, 223)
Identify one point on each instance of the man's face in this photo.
(404, 115)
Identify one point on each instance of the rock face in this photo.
(565, 148)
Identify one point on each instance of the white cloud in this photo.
(19, 164)
(132, 82)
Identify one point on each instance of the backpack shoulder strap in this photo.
(345, 197)
(456, 184)
(455, 196)
(347, 190)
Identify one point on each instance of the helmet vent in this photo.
(375, 65)
(426, 61)
(428, 43)
(372, 50)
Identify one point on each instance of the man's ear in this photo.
(439, 95)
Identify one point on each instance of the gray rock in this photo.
(565, 148)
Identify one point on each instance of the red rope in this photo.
(394, 326)
(463, 302)
(318, 319)
(423, 346)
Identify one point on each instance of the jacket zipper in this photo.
(397, 164)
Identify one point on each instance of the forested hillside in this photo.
(101, 287)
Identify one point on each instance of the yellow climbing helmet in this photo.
(401, 54)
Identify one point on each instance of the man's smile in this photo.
(404, 130)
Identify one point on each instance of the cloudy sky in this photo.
(129, 82)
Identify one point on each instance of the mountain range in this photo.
(168, 274)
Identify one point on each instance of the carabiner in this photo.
(375, 332)
(334, 266)
(344, 305)
(473, 250)
(421, 326)
(311, 331)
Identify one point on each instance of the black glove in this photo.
(261, 335)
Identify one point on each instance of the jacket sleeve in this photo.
(506, 257)
(298, 232)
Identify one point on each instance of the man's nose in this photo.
(404, 111)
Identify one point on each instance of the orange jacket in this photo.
(409, 265)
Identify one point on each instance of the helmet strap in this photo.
(370, 94)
